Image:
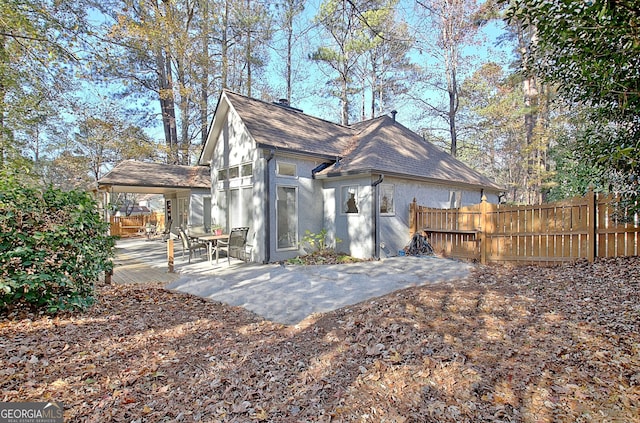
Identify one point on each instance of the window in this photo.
(286, 169)
(386, 199)
(234, 172)
(287, 217)
(183, 212)
(206, 212)
(350, 199)
(455, 198)
(246, 170)
(222, 174)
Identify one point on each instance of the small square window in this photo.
(286, 169)
(455, 199)
(350, 199)
(246, 170)
(234, 172)
(386, 199)
(222, 174)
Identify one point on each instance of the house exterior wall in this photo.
(252, 199)
(196, 207)
(394, 228)
(236, 196)
(355, 230)
(309, 198)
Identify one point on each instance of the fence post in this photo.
(483, 230)
(592, 223)
(413, 217)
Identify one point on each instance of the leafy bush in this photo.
(53, 247)
(319, 241)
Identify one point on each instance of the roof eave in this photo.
(372, 171)
(293, 151)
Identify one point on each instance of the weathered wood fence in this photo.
(582, 227)
(125, 226)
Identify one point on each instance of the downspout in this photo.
(267, 208)
(376, 217)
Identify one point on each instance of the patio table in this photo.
(211, 240)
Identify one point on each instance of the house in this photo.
(282, 173)
(186, 189)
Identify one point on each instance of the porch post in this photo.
(170, 255)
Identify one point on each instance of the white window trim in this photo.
(392, 188)
(295, 170)
(343, 210)
(297, 219)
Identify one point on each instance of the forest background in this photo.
(540, 95)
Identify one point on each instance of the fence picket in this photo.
(581, 227)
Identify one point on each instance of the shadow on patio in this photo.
(139, 260)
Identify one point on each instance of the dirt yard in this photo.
(505, 345)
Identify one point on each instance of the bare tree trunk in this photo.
(204, 83)
(289, 53)
(167, 108)
(225, 46)
(374, 87)
(451, 61)
(248, 54)
(345, 101)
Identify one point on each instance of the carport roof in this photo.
(135, 176)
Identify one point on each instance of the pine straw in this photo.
(513, 345)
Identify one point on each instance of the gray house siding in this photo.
(237, 182)
(309, 201)
(394, 229)
(355, 230)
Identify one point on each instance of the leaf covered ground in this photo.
(505, 345)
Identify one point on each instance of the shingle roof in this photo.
(379, 145)
(385, 146)
(287, 128)
(142, 174)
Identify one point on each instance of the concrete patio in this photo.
(284, 294)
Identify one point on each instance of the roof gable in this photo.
(278, 127)
(386, 146)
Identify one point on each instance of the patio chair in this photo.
(188, 245)
(150, 230)
(167, 230)
(235, 244)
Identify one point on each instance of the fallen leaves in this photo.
(507, 344)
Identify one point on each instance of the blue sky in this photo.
(307, 93)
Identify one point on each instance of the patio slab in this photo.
(289, 294)
(283, 294)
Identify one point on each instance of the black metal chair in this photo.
(235, 244)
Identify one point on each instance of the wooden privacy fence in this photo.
(125, 226)
(582, 227)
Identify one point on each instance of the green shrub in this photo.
(53, 247)
(319, 241)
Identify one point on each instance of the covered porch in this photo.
(142, 260)
(186, 191)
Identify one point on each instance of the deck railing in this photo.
(126, 226)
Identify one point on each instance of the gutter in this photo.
(320, 168)
(267, 209)
(376, 217)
